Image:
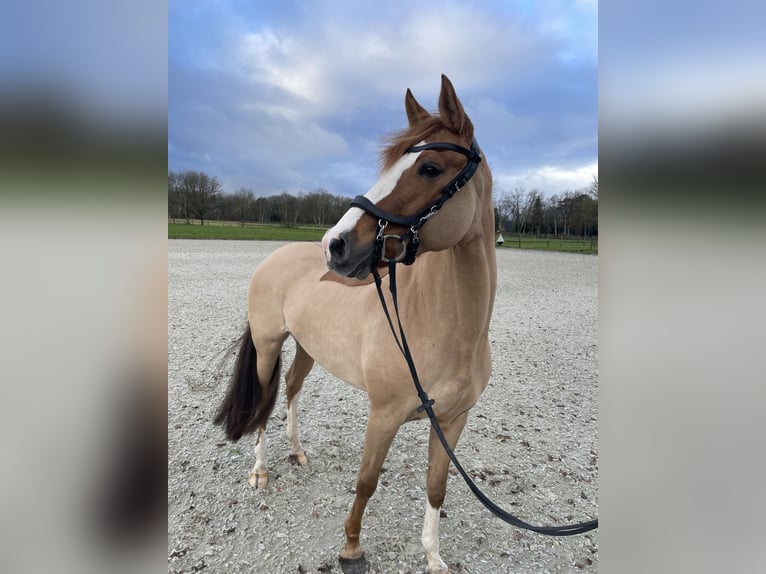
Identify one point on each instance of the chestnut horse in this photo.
(336, 319)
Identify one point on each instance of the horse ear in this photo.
(415, 112)
(450, 108)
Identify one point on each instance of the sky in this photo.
(294, 96)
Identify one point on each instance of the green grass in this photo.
(553, 244)
(219, 230)
(233, 230)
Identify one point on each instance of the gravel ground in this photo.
(531, 441)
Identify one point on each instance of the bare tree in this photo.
(568, 209)
(200, 193)
(285, 208)
(521, 206)
(243, 204)
(316, 206)
(187, 185)
(175, 203)
(579, 212)
(517, 208)
(553, 214)
(504, 206)
(593, 189)
(296, 205)
(262, 209)
(535, 211)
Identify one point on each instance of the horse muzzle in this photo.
(345, 257)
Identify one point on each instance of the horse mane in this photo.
(399, 143)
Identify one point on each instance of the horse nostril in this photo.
(337, 249)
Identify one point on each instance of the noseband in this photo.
(409, 240)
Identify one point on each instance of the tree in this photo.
(498, 221)
(243, 204)
(198, 194)
(284, 208)
(535, 207)
(552, 214)
(186, 185)
(520, 206)
(175, 202)
(579, 212)
(504, 207)
(593, 189)
(518, 214)
(317, 206)
(262, 209)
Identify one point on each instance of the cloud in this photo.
(549, 179)
(336, 64)
(245, 141)
(299, 97)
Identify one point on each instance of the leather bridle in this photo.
(410, 240)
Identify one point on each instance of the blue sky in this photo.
(297, 95)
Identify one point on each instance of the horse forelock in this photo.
(399, 143)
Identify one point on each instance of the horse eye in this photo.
(430, 170)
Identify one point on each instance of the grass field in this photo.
(553, 244)
(233, 230)
(219, 230)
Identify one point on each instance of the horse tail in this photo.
(247, 404)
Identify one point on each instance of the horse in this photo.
(323, 296)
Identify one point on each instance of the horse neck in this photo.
(460, 282)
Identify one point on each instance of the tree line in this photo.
(527, 211)
(196, 195)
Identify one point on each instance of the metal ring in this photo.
(400, 256)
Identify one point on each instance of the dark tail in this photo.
(247, 404)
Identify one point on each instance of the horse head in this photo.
(418, 203)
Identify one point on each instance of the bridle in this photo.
(409, 241)
(407, 256)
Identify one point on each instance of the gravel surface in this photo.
(531, 441)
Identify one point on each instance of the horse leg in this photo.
(268, 368)
(294, 378)
(259, 477)
(252, 393)
(438, 465)
(381, 430)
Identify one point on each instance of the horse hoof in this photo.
(441, 568)
(299, 458)
(353, 565)
(258, 479)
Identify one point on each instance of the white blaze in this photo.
(382, 188)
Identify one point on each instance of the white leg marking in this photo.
(430, 539)
(260, 451)
(382, 188)
(258, 473)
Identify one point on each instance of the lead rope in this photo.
(427, 406)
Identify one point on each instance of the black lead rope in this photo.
(427, 406)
